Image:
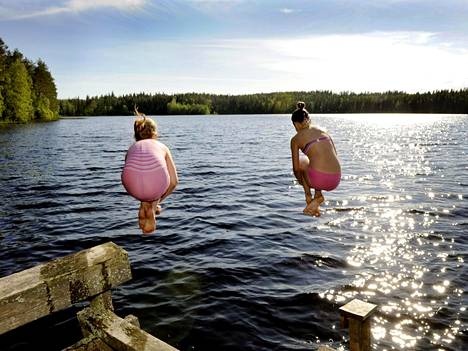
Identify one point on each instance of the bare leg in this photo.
(313, 209)
(141, 216)
(156, 209)
(306, 186)
(312, 205)
(304, 164)
(149, 225)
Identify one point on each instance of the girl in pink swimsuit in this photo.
(317, 167)
(149, 174)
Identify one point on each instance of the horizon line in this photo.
(272, 92)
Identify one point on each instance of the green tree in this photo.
(67, 108)
(3, 75)
(2, 105)
(45, 91)
(18, 95)
(43, 111)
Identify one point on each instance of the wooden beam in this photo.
(118, 333)
(36, 292)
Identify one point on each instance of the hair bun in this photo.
(300, 105)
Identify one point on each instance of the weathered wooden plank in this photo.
(120, 334)
(91, 343)
(36, 292)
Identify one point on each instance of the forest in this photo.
(27, 89)
(28, 93)
(443, 101)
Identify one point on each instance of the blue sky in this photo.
(95, 47)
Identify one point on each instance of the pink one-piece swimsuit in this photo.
(145, 175)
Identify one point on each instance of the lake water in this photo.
(234, 264)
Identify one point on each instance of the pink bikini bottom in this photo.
(323, 181)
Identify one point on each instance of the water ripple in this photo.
(234, 264)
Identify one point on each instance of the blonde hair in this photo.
(144, 127)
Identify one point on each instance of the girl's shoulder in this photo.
(149, 143)
(319, 130)
(298, 136)
(161, 145)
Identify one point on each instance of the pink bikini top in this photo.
(310, 143)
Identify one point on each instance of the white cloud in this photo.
(215, 1)
(287, 10)
(408, 61)
(402, 61)
(82, 5)
(214, 6)
(73, 6)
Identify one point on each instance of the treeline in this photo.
(27, 89)
(444, 101)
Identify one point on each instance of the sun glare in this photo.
(389, 120)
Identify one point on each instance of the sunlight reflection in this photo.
(389, 120)
(398, 260)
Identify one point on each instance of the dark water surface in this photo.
(234, 264)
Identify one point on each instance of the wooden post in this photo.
(356, 314)
(102, 301)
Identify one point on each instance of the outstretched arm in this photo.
(174, 179)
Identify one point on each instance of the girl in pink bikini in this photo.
(149, 174)
(321, 169)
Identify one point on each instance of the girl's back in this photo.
(319, 148)
(146, 154)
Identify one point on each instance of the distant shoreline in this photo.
(4, 125)
(317, 102)
(270, 114)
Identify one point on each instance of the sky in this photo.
(95, 47)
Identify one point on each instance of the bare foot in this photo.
(313, 209)
(150, 220)
(157, 208)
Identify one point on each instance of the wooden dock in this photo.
(88, 275)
